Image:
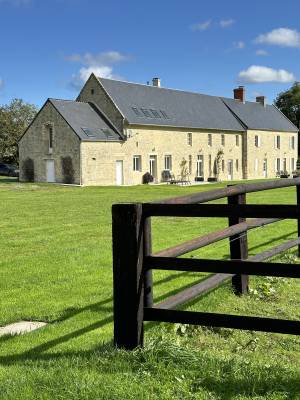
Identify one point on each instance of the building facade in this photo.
(115, 132)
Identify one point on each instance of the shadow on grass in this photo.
(7, 179)
(287, 236)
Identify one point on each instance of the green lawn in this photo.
(56, 266)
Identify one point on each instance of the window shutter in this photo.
(275, 142)
(258, 139)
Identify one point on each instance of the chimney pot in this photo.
(156, 82)
(262, 100)
(239, 93)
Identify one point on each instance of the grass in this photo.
(56, 266)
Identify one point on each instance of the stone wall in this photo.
(267, 151)
(99, 159)
(35, 145)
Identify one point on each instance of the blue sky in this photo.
(48, 47)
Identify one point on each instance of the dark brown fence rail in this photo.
(133, 260)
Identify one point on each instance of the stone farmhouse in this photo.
(116, 131)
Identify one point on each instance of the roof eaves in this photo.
(185, 127)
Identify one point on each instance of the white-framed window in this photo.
(237, 164)
(278, 166)
(257, 141)
(190, 138)
(292, 164)
(256, 165)
(284, 166)
(237, 140)
(200, 161)
(190, 164)
(277, 142)
(292, 142)
(210, 139)
(168, 162)
(223, 139)
(137, 163)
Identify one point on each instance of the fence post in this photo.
(298, 220)
(238, 247)
(148, 281)
(128, 243)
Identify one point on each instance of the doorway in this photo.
(50, 171)
(119, 173)
(153, 167)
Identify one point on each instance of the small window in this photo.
(190, 138)
(237, 140)
(277, 142)
(209, 164)
(92, 91)
(210, 139)
(168, 162)
(223, 165)
(237, 164)
(49, 129)
(223, 140)
(146, 112)
(155, 113)
(257, 141)
(137, 163)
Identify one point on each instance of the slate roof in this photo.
(86, 121)
(191, 110)
(183, 109)
(255, 116)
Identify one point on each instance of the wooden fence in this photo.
(133, 260)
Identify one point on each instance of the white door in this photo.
(119, 172)
(153, 167)
(50, 170)
(265, 169)
(230, 170)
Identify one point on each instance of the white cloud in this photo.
(101, 64)
(261, 52)
(239, 45)
(260, 74)
(225, 23)
(202, 26)
(284, 37)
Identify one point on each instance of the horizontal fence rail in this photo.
(133, 260)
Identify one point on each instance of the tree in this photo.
(288, 103)
(14, 119)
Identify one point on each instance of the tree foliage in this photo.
(14, 119)
(288, 103)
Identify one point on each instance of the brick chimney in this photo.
(239, 94)
(262, 100)
(156, 82)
